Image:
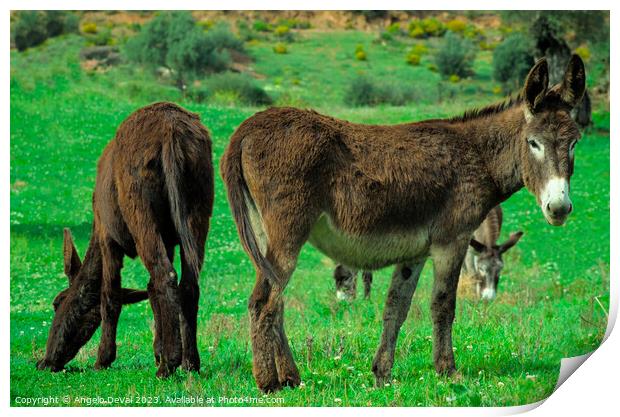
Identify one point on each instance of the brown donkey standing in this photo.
(373, 196)
(154, 190)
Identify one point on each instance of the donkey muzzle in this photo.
(555, 201)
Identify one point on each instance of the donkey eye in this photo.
(533, 144)
(572, 146)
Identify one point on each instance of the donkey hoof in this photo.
(100, 365)
(164, 372)
(191, 365)
(270, 387)
(445, 368)
(291, 381)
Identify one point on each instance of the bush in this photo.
(363, 91)
(512, 59)
(417, 32)
(360, 55)
(32, 28)
(89, 27)
(454, 78)
(413, 58)
(433, 27)
(281, 30)
(295, 23)
(393, 29)
(261, 26)
(455, 56)
(173, 40)
(419, 48)
(456, 26)
(101, 38)
(230, 84)
(60, 22)
(280, 48)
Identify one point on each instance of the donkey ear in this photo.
(512, 240)
(71, 257)
(574, 82)
(536, 84)
(478, 247)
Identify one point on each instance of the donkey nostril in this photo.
(570, 208)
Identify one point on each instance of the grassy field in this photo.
(553, 295)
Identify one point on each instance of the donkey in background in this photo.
(154, 190)
(484, 256)
(371, 196)
(483, 261)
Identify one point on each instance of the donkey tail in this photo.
(239, 198)
(174, 163)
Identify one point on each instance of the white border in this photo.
(593, 388)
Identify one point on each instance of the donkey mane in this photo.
(488, 110)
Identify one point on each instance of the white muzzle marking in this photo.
(555, 194)
(342, 296)
(488, 294)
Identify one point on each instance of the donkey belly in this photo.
(371, 251)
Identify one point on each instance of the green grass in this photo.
(553, 295)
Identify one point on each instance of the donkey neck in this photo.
(497, 137)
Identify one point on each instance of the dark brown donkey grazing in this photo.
(484, 257)
(372, 196)
(154, 190)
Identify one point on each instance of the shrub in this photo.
(419, 48)
(60, 21)
(206, 25)
(282, 31)
(433, 27)
(280, 48)
(101, 38)
(32, 28)
(295, 23)
(89, 27)
(228, 84)
(454, 78)
(456, 26)
(261, 26)
(512, 59)
(174, 40)
(413, 58)
(363, 91)
(455, 56)
(417, 32)
(393, 29)
(386, 36)
(360, 55)
(29, 29)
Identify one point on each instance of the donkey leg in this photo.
(111, 302)
(157, 343)
(263, 357)
(190, 294)
(288, 374)
(404, 282)
(447, 261)
(367, 277)
(273, 364)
